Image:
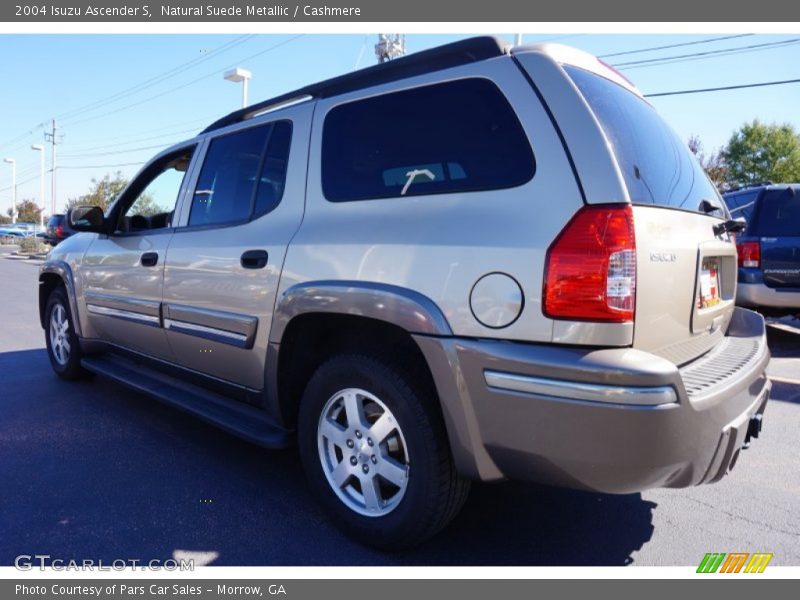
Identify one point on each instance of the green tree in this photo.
(28, 212)
(713, 164)
(762, 152)
(102, 191)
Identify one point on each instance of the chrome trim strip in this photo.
(209, 333)
(588, 392)
(215, 319)
(147, 307)
(125, 315)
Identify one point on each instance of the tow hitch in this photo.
(753, 429)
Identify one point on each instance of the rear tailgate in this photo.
(776, 223)
(685, 275)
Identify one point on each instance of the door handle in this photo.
(255, 259)
(149, 259)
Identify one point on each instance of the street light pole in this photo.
(13, 164)
(40, 149)
(239, 75)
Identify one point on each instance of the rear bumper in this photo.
(759, 294)
(632, 420)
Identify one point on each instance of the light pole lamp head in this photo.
(238, 74)
(10, 161)
(38, 147)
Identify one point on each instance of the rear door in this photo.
(224, 262)
(776, 224)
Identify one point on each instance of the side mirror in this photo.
(87, 218)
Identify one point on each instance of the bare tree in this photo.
(714, 164)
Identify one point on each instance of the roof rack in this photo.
(427, 61)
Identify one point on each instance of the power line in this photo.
(114, 152)
(148, 83)
(93, 144)
(667, 47)
(723, 88)
(21, 137)
(185, 85)
(698, 55)
(19, 183)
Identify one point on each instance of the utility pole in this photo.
(52, 137)
(389, 46)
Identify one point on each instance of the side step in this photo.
(243, 421)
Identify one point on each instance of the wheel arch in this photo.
(52, 275)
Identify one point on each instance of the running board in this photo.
(242, 421)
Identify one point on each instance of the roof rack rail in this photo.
(427, 61)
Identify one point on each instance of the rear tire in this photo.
(375, 451)
(63, 347)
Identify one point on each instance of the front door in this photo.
(123, 272)
(224, 262)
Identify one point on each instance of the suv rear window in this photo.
(459, 136)
(778, 214)
(656, 164)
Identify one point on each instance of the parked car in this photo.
(472, 263)
(10, 231)
(741, 200)
(20, 230)
(58, 229)
(769, 249)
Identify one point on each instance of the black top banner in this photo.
(464, 11)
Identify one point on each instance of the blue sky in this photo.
(118, 99)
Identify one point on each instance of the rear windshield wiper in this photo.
(707, 207)
(730, 226)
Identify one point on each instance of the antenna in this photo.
(389, 46)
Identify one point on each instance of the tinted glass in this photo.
(227, 181)
(458, 136)
(273, 173)
(656, 164)
(778, 214)
(741, 204)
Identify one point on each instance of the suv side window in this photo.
(150, 200)
(459, 136)
(243, 175)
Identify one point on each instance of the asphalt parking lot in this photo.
(92, 470)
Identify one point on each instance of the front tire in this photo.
(63, 347)
(375, 452)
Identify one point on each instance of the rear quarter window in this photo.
(459, 136)
(778, 214)
(656, 164)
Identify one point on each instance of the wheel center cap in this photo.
(364, 452)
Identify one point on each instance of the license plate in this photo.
(709, 284)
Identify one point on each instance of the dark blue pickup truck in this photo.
(769, 249)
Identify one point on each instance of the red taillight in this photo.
(590, 272)
(59, 231)
(749, 254)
